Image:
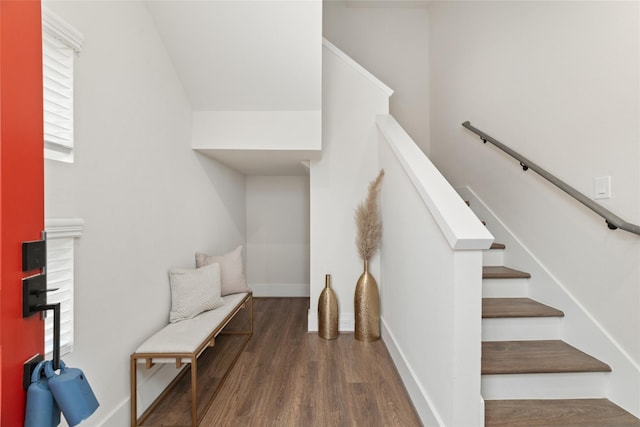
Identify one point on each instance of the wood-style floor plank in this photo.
(501, 272)
(536, 357)
(288, 377)
(516, 307)
(557, 413)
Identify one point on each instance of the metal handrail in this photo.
(613, 221)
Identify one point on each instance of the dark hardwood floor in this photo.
(288, 377)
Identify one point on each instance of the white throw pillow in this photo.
(194, 291)
(231, 271)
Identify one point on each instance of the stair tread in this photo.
(556, 413)
(516, 307)
(502, 272)
(497, 246)
(536, 357)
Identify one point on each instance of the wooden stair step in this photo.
(536, 357)
(501, 272)
(556, 413)
(497, 246)
(516, 307)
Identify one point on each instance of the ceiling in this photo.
(244, 55)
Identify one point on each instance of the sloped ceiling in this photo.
(244, 55)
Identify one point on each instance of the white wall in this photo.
(389, 39)
(278, 235)
(338, 182)
(558, 82)
(148, 200)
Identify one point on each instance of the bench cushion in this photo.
(187, 335)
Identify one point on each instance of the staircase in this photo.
(529, 376)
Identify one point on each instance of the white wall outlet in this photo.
(602, 187)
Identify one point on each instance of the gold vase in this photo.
(367, 307)
(328, 312)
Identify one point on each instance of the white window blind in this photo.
(57, 73)
(61, 234)
(59, 42)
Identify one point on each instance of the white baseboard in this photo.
(149, 387)
(280, 290)
(346, 322)
(118, 417)
(419, 397)
(312, 321)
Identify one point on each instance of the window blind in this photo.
(57, 74)
(61, 234)
(59, 42)
(60, 275)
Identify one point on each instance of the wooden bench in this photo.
(182, 343)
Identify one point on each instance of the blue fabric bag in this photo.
(72, 392)
(42, 410)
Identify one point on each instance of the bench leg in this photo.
(194, 391)
(247, 305)
(134, 393)
(251, 315)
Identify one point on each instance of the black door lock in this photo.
(34, 255)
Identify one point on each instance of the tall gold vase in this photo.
(328, 312)
(367, 307)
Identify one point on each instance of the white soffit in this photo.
(244, 55)
(261, 130)
(264, 162)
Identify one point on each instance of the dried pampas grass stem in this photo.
(368, 221)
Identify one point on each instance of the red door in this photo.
(21, 192)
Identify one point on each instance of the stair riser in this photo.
(527, 328)
(504, 288)
(493, 257)
(544, 386)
